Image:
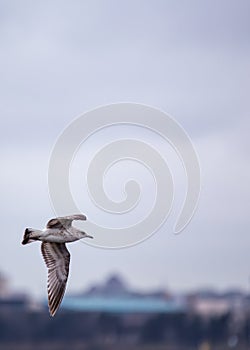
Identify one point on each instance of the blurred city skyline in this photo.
(111, 314)
(191, 60)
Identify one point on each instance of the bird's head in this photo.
(85, 235)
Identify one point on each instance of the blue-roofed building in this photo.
(122, 304)
(115, 297)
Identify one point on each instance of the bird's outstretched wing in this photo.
(64, 221)
(57, 259)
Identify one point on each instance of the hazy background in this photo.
(189, 58)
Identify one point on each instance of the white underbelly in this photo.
(58, 239)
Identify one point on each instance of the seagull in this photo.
(58, 231)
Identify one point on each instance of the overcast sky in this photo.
(189, 58)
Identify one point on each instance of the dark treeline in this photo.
(103, 328)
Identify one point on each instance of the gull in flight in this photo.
(58, 231)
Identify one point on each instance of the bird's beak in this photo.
(88, 236)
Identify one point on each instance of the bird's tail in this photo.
(30, 235)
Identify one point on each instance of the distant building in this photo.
(208, 303)
(116, 286)
(10, 300)
(4, 286)
(114, 296)
(113, 286)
